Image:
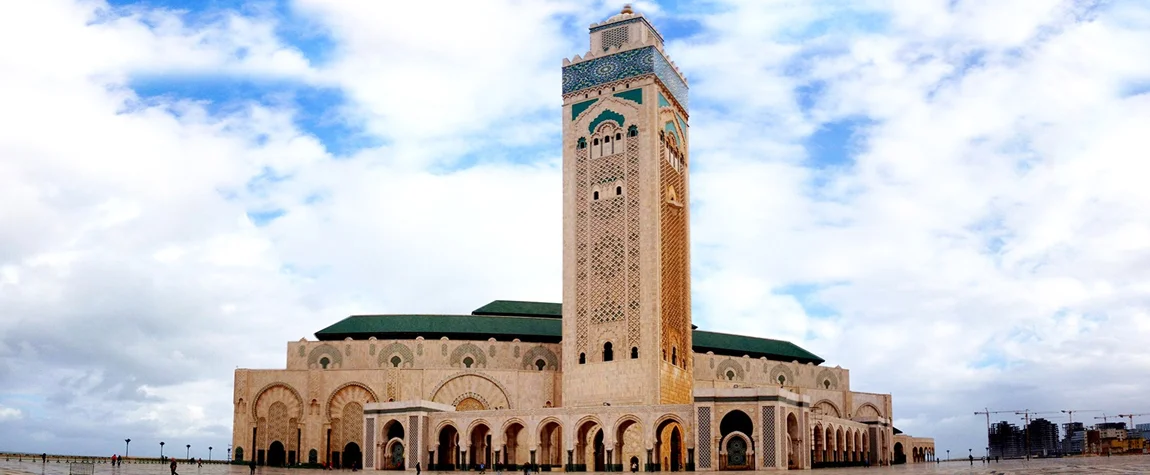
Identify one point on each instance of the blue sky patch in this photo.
(263, 218)
(319, 112)
(807, 294)
(835, 143)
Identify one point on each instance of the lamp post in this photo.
(188, 454)
(988, 455)
(229, 453)
(209, 453)
(161, 450)
(126, 442)
(947, 455)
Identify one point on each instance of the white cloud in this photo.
(10, 413)
(988, 240)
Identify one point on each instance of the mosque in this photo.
(614, 378)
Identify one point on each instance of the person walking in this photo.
(252, 467)
(418, 469)
(173, 466)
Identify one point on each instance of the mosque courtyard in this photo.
(1091, 465)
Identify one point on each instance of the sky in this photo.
(946, 197)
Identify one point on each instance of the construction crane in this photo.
(1105, 418)
(1132, 416)
(1072, 411)
(987, 413)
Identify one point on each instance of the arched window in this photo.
(607, 139)
(582, 358)
(539, 363)
(582, 143)
(595, 195)
(468, 362)
(395, 361)
(618, 190)
(634, 352)
(608, 354)
(618, 136)
(674, 356)
(595, 142)
(323, 362)
(827, 383)
(730, 375)
(782, 380)
(632, 131)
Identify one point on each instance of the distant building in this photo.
(1007, 440)
(1074, 441)
(1043, 436)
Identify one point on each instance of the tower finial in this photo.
(627, 9)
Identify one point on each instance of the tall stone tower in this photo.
(626, 241)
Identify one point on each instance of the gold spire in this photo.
(627, 9)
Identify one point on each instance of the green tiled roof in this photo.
(516, 308)
(534, 322)
(739, 345)
(456, 327)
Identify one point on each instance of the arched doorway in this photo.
(669, 445)
(736, 449)
(795, 442)
(899, 454)
(394, 459)
(589, 450)
(512, 445)
(352, 457)
(446, 454)
(239, 454)
(628, 444)
(394, 451)
(277, 456)
(550, 445)
(480, 452)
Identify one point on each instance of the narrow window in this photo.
(607, 139)
(608, 355)
(634, 352)
(730, 375)
(632, 131)
(596, 142)
(618, 136)
(540, 364)
(582, 143)
(674, 356)
(595, 196)
(618, 190)
(782, 380)
(827, 383)
(323, 362)
(468, 361)
(582, 358)
(395, 361)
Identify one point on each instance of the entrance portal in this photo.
(395, 458)
(736, 453)
(899, 454)
(276, 454)
(352, 458)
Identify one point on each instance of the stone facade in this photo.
(623, 387)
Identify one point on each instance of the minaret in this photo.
(626, 240)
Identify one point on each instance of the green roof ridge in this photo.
(539, 322)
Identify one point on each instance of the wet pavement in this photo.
(1130, 464)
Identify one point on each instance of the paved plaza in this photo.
(1094, 465)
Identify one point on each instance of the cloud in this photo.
(10, 413)
(944, 199)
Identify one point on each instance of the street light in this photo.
(947, 455)
(126, 442)
(188, 455)
(161, 450)
(209, 453)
